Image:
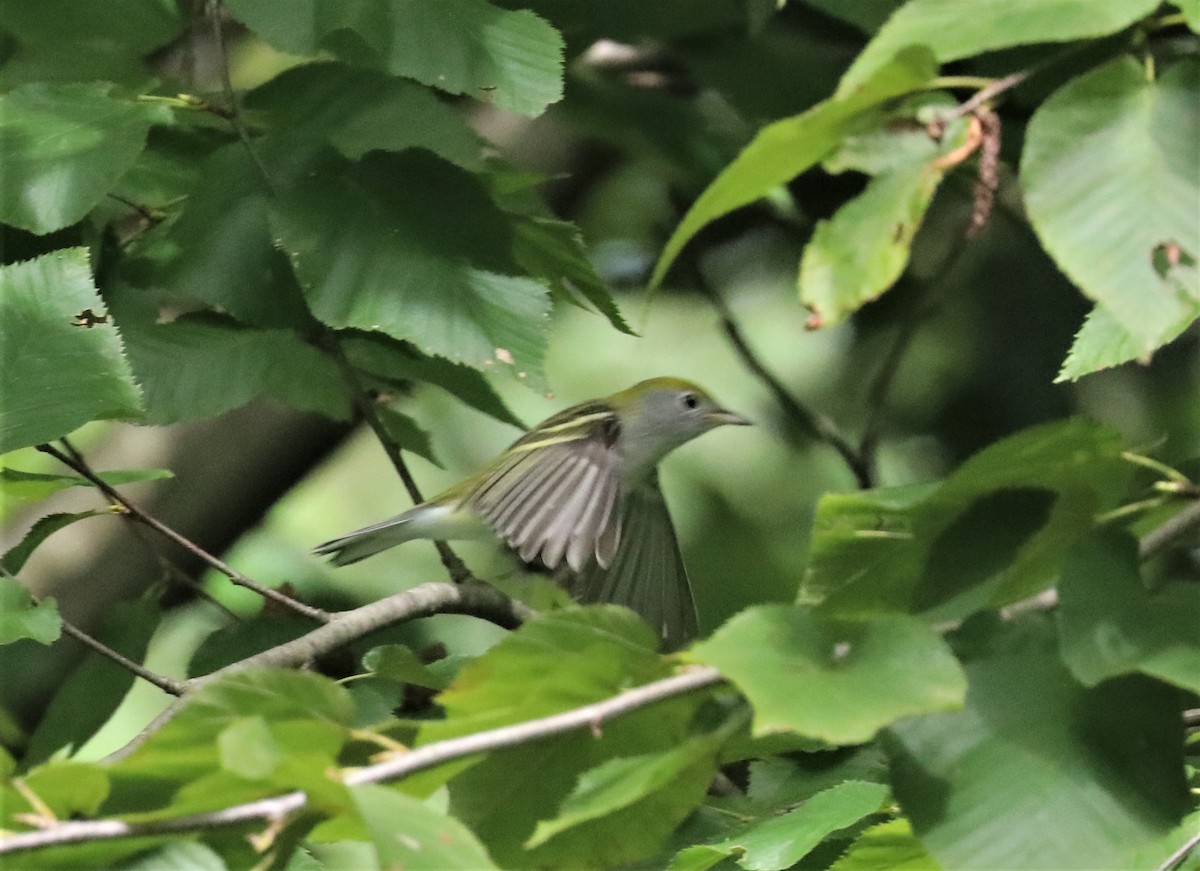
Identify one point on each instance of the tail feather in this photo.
(368, 541)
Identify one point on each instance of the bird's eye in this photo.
(689, 400)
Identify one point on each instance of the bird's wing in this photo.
(553, 493)
(647, 572)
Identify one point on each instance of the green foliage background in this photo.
(469, 214)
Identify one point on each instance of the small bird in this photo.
(579, 495)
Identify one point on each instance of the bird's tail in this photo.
(368, 541)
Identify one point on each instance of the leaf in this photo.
(359, 110)
(21, 617)
(780, 841)
(783, 150)
(840, 685)
(400, 363)
(1191, 12)
(371, 254)
(306, 713)
(89, 695)
(624, 781)
(43, 528)
(408, 434)
(247, 748)
(201, 365)
(136, 26)
(511, 58)
(992, 24)
(1110, 178)
(407, 833)
(1037, 771)
(889, 846)
(1102, 343)
(35, 486)
(398, 663)
(861, 251)
(66, 788)
(56, 376)
(64, 147)
(554, 250)
(179, 856)
(1110, 624)
(1016, 507)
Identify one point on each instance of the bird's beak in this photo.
(721, 417)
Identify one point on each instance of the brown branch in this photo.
(213, 11)
(75, 462)
(812, 424)
(329, 342)
(275, 809)
(474, 598)
(166, 684)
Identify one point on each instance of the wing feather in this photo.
(647, 572)
(555, 492)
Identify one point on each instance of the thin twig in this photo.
(474, 598)
(590, 717)
(454, 565)
(166, 684)
(1173, 528)
(213, 11)
(811, 423)
(132, 511)
(1179, 855)
(987, 94)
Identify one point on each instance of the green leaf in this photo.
(136, 26)
(1191, 11)
(247, 748)
(306, 713)
(400, 363)
(371, 254)
(838, 684)
(561, 660)
(407, 833)
(1037, 771)
(204, 364)
(1110, 624)
(398, 663)
(359, 110)
(889, 846)
(408, 434)
(94, 689)
(623, 782)
(783, 150)
(1111, 183)
(178, 856)
(991, 25)
(1102, 343)
(861, 251)
(64, 147)
(510, 58)
(66, 788)
(994, 531)
(21, 618)
(554, 250)
(35, 486)
(56, 375)
(780, 841)
(14, 559)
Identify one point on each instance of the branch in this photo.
(1179, 855)
(1173, 528)
(274, 809)
(813, 424)
(474, 598)
(454, 565)
(76, 462)
(213, 11)
(165, 684)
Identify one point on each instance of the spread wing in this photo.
(647, 572)
(552, 494)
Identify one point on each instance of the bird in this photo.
(578, 495)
